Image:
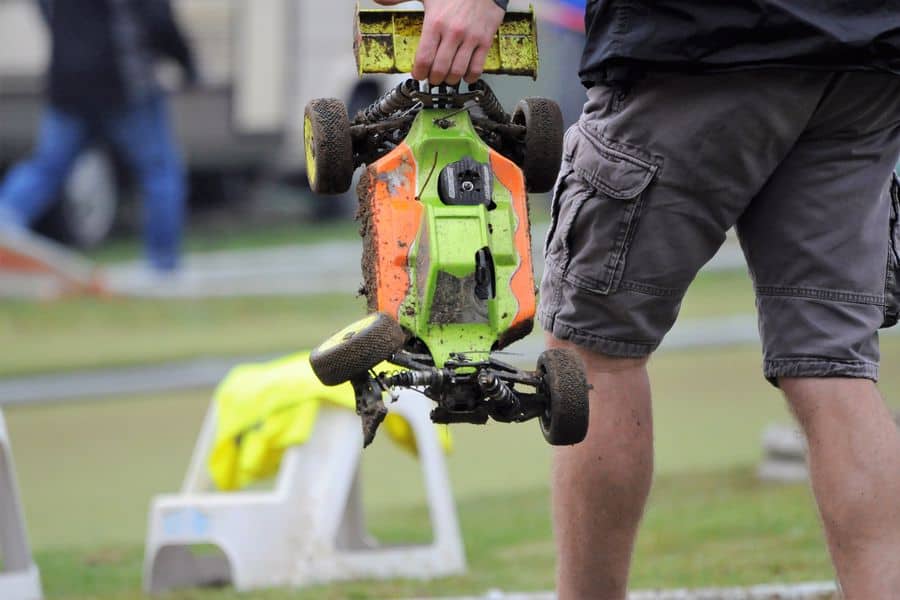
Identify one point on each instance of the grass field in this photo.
(88, 471)
(103, 333)
(211, 239)
(700, 529)
(83, 333)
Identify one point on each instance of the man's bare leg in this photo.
(854, 462)
(600, 486)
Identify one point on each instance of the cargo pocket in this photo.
(596, 213)
(892, 280)
(559, 190)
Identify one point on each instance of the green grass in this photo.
(89, 470)
(710, 408)
(719, 294)
(88, 333)
(701, 529)
(84, 333)
(211, 239)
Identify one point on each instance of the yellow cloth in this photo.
(264, 408)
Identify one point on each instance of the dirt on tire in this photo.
(359, 351)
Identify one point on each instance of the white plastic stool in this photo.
(310, 528)
(19, 576)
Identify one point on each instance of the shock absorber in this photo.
(496, 392)
(432, 377)
(489, 102)
(399, 98)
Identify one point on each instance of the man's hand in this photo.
(456, 37)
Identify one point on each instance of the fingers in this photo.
(476, 65)
(461, 63)
(456, 37)
(425, 55)
(446, 53)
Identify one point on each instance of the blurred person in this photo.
(779, 118)
(102, 86)
(562, 40)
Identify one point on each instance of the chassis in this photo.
(447, 253)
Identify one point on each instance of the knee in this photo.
(812, 399)
(798, 393)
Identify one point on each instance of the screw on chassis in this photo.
(447, 248)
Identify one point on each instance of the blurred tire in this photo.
(85, 212)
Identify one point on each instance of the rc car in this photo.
(445, 225)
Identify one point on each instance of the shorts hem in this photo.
(816, 367)
(804, 293)
(596, 343)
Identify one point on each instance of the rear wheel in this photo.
(354, 350)
(329, 148)
(565, 419)
(543, 141)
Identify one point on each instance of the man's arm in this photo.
(166, 37)
(456, 37)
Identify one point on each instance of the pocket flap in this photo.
(611, 171)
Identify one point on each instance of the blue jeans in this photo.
(142, 135)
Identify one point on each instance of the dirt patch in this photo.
(455, 301)
(365, 190)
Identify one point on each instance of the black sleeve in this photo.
(502, 3)
(165, 36)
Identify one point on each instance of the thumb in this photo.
(390, 2)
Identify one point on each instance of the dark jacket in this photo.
(626, 38)
(103, 51)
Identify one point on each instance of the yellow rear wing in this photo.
(385, 41)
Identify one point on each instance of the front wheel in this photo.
(329, 147)
(357, 348)
(565, 419)
(542, 152)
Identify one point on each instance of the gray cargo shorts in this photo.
(799, 162)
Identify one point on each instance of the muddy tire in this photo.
(565, 420)
(542, 152)
(357, 348)
(329, 148)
